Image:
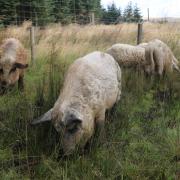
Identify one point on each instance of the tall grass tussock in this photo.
(142, 139)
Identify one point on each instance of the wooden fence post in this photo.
(92, 18)
(139, 33)
(148, 13)
(32, 41)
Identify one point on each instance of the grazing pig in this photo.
(92, 85)
(13, 62)
(159, 58)
(128, 55)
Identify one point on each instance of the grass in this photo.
(142, 138)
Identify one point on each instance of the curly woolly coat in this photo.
(92, 85)
(159, 58)
(153, 57)
(13, 62)
(128, 55)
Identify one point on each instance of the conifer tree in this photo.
(111, 15)
(136, 14)
(128, 13)
(7, 11)
(62, 11)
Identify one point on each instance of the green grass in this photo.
(142, 138)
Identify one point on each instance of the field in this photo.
(142, 138)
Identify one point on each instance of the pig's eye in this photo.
(1, 71)
(73, 125)
(13, 69)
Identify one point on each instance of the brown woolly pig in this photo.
(13, 62)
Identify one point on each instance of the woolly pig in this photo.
(159, 58)
(92, 85)
(143, 45)
(128, 55)
(13, 62)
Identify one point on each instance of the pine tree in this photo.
(128, 13)
(40, 13)
(7, 12)
(111, 15)
(137, 14)
(62, 11)
(120, 18)
(97, 7)
(46, 12)
(81, 9)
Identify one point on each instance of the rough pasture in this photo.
(142, 131)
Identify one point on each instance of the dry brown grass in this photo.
(79, 40)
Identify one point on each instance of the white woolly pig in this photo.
(13, 62)
(143, 45)
(92, 85)
(159, 58)
(128, 55)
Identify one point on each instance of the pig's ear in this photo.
(21, 56)
(44, 118)
(20, 66)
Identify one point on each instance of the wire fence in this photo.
(40, 15)
(59, 12)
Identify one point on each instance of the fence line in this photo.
(139, 33)
(32, 40)
(29, 11)
(41, 15)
